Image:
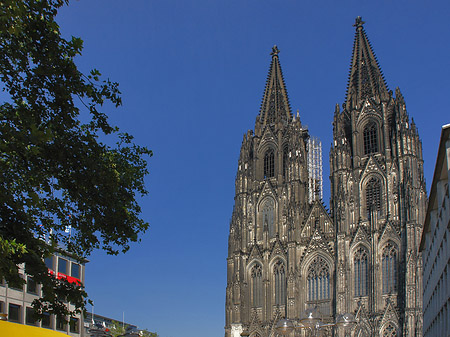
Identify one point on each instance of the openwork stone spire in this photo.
(275, 104)
(366, 79)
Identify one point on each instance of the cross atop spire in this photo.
(366, 78)
(275, 50)
(358, 22)
(275, 105)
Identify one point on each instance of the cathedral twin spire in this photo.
(366, 78)
(279, 262)
(275, 104)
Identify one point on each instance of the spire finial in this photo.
(358, 22)
(366, 79)
(275, 105)
(275, 50)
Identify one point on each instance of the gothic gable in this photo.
(255, 253)
(369, 110)
(267, 137)
(390, 233)
(389, 315)
(362, 318)
(317, 217)
(277, 315)
(255, 324)
(359, 236)
(267, 190)
(372, 166)
(277, 250)
(325, 222)
(317, 243)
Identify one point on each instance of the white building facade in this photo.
(17, 302)
(435, 247)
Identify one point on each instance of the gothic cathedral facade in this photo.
(287, 252)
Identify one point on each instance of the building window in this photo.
(268, 217)
(74, 325)
(14, 312)
(373, 195)
(280, 283)
(256, 279)
(31, 286)
(285, 161)
(2, 307)
(49, 262)
(370, 138)
(62, 266)
(46, 321)
(361, 272)
(61, 324)
(75, 270)
(318, 280)
(269, 164)
(389, 269)
(30, 318)
(18, 287)
(389, 331)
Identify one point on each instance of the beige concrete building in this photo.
(16, 302)
(287, 252)
(435, 246)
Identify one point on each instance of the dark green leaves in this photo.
(54, 171)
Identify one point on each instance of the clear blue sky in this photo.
(192, 74)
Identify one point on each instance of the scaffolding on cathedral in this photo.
(314, 169)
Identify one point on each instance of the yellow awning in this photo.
(9, 329)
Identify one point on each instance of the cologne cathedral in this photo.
(287, 252)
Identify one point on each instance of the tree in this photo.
(54, 170)
(146, 333)
(117, 329)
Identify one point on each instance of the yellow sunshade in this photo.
(9, 329)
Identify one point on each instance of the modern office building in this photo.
(16, 302)
(435, 246)
(287, 252)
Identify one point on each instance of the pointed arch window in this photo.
(361, 272)
(370, 138)
(269, 164)
(389, 268)
(279, 274)
(373, 195)
(318, 280)
(285, 160)
(268, 217)
(256, 282)
(389, 331)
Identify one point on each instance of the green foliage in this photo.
(116, 329)
(146, 333)
(54, 171)
(8, 251)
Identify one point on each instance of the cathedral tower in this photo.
(378, 201)
(278, 230)
(286, 253)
